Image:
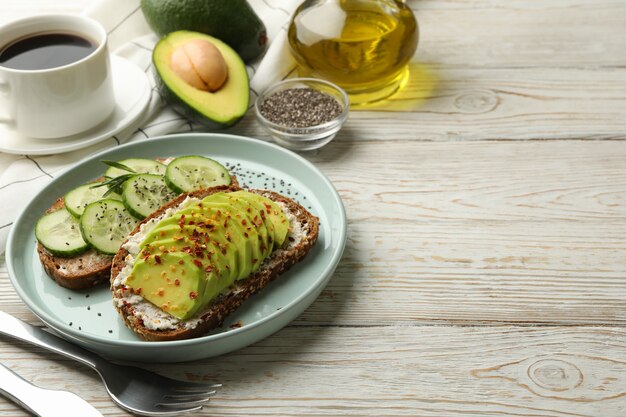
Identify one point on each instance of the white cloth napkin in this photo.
(22, 176)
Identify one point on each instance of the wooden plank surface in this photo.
(389, 371)
(484, 271)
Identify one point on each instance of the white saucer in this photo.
(132, 95)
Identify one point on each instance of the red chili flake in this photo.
(226, 223)
(245, 234)
(291, 239)
(138, 290)
(187, 249)
(191, 223)
(181, 262)
(244, 222)
(197, 263)
(224, 250)
(249, 210)
(227, 235)
(255, 260)
(177, 238)
(200, 205)
(162, 233)
(219, 213)
(193, 295)
(177, 282)
(236, 325)
(208, 268)
(157, 259)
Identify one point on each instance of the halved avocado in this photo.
(217, 109)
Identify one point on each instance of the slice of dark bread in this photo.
(81, 271)
(77, 272)
(303, 233)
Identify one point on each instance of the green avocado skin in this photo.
(232, 21)
(180, 106)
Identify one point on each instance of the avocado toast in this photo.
(199, 257)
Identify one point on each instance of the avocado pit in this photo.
(200, 64)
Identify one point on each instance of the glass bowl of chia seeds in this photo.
(302, 114)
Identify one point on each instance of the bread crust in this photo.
(82, 271)
(214, 314)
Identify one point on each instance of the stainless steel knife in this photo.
(40, 401)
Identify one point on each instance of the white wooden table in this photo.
(485, 270)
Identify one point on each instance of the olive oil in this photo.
(363, 46)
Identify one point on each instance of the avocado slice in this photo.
(232, 21)
(250, 239)
(170, 281)
(274, 213)
(217, 109)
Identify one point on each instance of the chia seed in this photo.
(300, 107)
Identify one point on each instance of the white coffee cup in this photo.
(61, 101)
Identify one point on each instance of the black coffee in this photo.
(46, 50)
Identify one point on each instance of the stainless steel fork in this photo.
(134, 389)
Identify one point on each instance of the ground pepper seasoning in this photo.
(300, 107)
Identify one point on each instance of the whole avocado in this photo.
(232, 21)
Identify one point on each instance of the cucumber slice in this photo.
(77, 199)
(139, 165)
(59, 232)
(188, 173)
(105, 224)
(144, 193)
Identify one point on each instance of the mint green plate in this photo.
(88, 317)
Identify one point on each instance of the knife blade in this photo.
(41, 401)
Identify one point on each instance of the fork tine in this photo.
(195, 388)
(207, 394)
(178, 404)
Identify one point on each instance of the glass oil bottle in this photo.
(364, 46)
